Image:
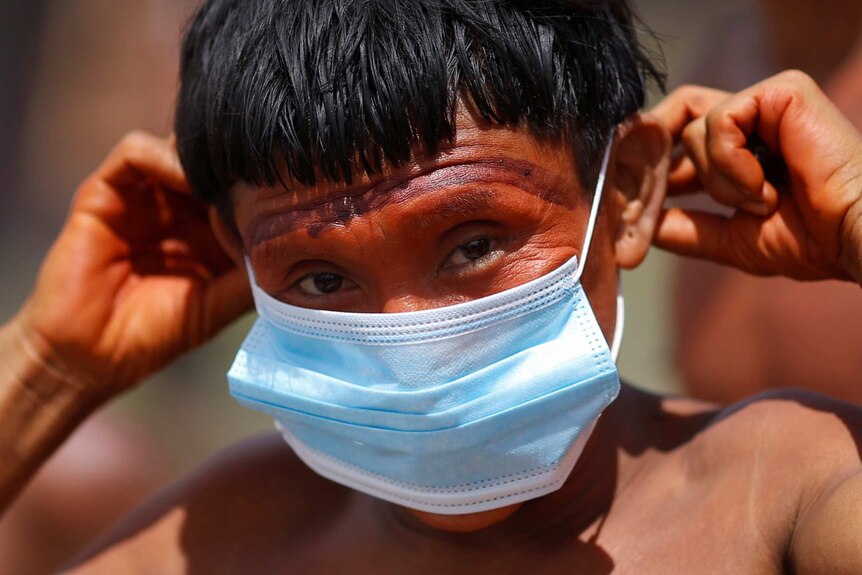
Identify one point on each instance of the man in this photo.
(368, 213)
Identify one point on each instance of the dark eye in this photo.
(470, 252)
(322, 284)
(476, 249)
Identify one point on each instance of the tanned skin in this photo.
(816, 346)
(664, 485)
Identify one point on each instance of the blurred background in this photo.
(78, 74)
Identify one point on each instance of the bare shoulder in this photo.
(821, 440)
(211, 518)
(821, 433)
(799, 456)
(797, 439)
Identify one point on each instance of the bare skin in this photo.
(139, 270)
(815, 346)
(664, 486)
(653, 494)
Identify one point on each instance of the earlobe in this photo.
(641, 163)
(227, 237)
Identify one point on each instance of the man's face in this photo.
(493, 211)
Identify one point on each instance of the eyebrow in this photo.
(335, 210)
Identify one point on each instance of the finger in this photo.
(197, 244)
(785, 94)
(139, 156)
(141, 212)
(729, 127)
(683, 179)
(726, 191)
(686, 104)
(170, 260)
(176, 209)
(227, 298)
(694, 234)
(694, 140)
(789, 113)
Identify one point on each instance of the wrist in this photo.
(39, 408)
(32, 367)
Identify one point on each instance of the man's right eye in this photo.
(322, 284)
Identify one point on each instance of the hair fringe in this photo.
(274, 91)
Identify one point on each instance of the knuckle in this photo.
(694, 96)
(687, 91)
(85, 187)
(684, 95)
(713, 119)
(798, 80)
(134, 141)
(693, 133)
(93, 186)
(719, 123)
(719, 117)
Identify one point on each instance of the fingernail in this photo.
(756, 208)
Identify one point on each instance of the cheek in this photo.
(548, 246)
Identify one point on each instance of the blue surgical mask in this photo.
(452, 410)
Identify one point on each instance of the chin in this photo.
(466, 523)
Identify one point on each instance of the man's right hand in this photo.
(809, 227)
(135, 278)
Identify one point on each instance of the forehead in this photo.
(482, 157)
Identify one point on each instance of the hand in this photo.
(808, 226)
(136, 276)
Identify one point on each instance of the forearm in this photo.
(39, 408)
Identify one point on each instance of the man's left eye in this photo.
(471, 252)
(324, 284)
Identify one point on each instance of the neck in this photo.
(579, 505)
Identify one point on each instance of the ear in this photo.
(227, 237)
(640, 166)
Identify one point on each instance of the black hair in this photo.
(274, 90)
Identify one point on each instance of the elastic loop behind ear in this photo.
(597, 200)
(620, 322)
(250, 271)
(260, 296)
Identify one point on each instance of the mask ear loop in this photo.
(262, 300)
(594, 210)
(619, 326)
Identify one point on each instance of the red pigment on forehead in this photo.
(320, 215)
